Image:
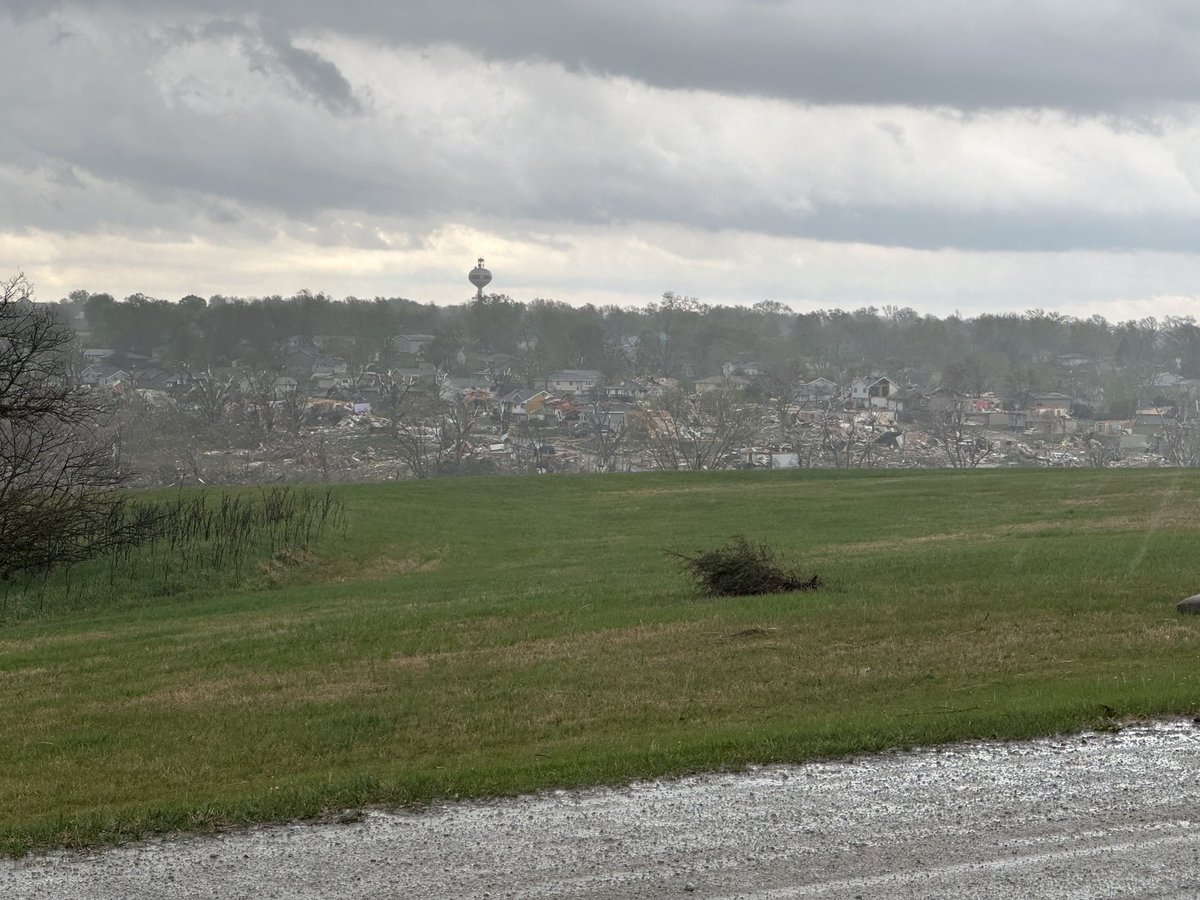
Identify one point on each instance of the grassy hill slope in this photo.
(488, 636)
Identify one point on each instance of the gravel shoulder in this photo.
(1093, 815)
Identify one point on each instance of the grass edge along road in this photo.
(486, 637)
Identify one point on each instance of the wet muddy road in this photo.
(1097, 815)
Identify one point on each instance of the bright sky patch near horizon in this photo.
(924, 153)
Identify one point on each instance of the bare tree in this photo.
(432, 435)
(259, 391)
(533, 365)
(608, 431)
(777, 387)
(698, 432)
(211, 398)
(394, 398)
(59, 497)
(531, 445)
(965, 448)
(503, 378)
(1100, 450)
(837, 441)
(804, 438)
(1179, 442)
(844, 444)
(292, 406)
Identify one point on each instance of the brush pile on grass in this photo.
(741, 568)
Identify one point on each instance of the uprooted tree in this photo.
(741, 568)
(59, 486)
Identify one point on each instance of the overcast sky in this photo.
(940, 155)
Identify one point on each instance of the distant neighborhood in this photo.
(676, 385)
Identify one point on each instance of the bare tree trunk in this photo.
(59, 483)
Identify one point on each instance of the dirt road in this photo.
(1097, 815)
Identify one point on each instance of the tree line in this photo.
(675, 336)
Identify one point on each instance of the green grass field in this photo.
(477, 637)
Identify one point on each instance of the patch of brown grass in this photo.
(395, 561)
(260, 690)
(357, 678)
(274, 571)
(754, 632)
(56, 640)
(1164, 517)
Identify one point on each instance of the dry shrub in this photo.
(742, 568)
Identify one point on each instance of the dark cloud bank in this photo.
(1117, 56)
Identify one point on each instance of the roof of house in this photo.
(574, 375)
(1167, 379)
(871, 380)
(1049, 395)
(612, 406)
(101, 370)
(723, 379)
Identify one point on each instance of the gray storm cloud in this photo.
(1018, 127)
(1115, 56)
(208, 112)
(268, 47)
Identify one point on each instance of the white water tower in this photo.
(480, 277)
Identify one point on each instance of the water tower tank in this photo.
(480, 277)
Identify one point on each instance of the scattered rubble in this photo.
(543, 433)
